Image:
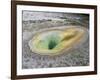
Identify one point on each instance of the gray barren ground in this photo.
(34, 21)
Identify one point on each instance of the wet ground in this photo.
(34, 21)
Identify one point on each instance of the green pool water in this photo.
(49, 42)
